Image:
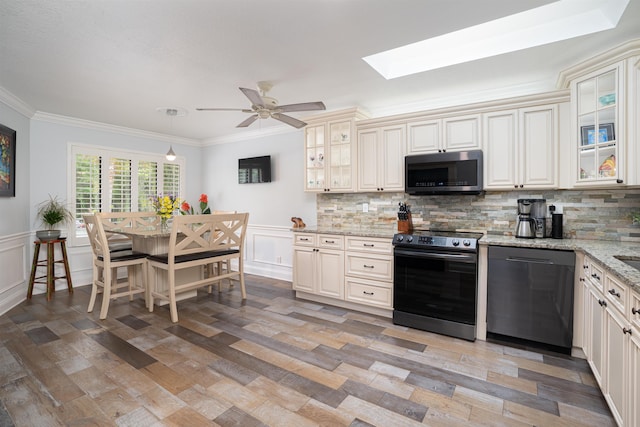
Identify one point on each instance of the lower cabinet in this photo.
(352, 269)
(318, 266)
(611, 341)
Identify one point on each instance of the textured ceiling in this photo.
(117, 61)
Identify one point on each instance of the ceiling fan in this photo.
(263, 107)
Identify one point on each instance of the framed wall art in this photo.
(7, 162)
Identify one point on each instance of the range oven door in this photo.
(436, 290)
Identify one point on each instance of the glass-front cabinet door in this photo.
(340, 171)
(314, 151)
(597, 100)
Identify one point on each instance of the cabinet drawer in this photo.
(304, 239)
(378, 267)
(596, 274)
(366, 292)
(634, 310)
(616, 293)
(330, 241)
(369, 245)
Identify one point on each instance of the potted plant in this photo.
(51, 213)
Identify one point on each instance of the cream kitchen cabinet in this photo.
(369, 271)
(446, 134)
(605, 100)
(330, 152)
(381, 153)
(318, 266)
(611, 340)
(521, 148)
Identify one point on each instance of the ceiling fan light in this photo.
(171, 156)
(264, 114)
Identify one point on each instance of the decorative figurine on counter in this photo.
(297, 222)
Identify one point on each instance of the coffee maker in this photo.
(525, 226)
(531, 221)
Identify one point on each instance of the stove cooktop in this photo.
(461, 240)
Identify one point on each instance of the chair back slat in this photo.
(191, 234)
(97, 236)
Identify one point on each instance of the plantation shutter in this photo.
(171, 179)
(147, 184)
(120, 185)
(88, 183)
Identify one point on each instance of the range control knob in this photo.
(466, 242)
(399, 238)
(409, 239)
(455, 242)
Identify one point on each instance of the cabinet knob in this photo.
(627, 331)
(634, 310)
(521, 186)
(515, 186)
(619, 181)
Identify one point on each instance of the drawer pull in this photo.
(614, 293)
(634, 310)
(367, 293)
(329, 241)
(594, 275)
(304, 239)
(602, 303)
(367, 266)
(627, 331)
(368, 245)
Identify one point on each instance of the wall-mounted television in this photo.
(254, 170)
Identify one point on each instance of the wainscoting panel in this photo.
(15, 265)
(269, 251)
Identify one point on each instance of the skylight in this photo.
(561, 20)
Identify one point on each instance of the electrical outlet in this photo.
(365, 207)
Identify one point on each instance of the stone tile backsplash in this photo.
(587, 214)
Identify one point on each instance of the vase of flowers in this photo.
(187, 209)
(164, 206)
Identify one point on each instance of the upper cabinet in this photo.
(330, 152)
(520, 148)
(598, 100)
(605, 102)
(440, 135)
(381, 153)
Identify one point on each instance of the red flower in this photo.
(185, 207)
(203, 199)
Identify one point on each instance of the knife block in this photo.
(405, 226)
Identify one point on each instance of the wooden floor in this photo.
(273, 360)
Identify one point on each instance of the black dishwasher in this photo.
(530, 296)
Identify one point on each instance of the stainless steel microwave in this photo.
(444, 173)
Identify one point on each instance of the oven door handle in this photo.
(435, 255)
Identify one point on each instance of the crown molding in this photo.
(603, 59)
(16, 103)
(104, 127)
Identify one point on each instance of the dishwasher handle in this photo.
(530, 260)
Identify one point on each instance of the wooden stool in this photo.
(49, 263)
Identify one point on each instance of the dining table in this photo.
(154, 240)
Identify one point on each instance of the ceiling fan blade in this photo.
(253, 96)
(289, 120)
(304, 106)
(248, 121)
(244, 110)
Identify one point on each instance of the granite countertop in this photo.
(385, 232)
(601, 251)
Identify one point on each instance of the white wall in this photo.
(273, 203)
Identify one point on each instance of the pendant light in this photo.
(171, 156)
(172, 112)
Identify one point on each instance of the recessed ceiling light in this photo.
(546, 24)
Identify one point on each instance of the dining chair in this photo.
(106, 264)
(221, 267)
(196, 241)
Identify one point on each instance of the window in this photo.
(106, 180)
